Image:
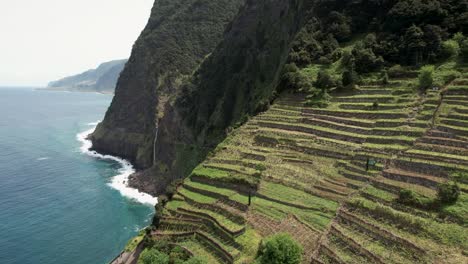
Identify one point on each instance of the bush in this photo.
(318, 98)
(464, 50)
(461, 177)
(324, 60)
(280, 249)
(375, 105)
(152, 256)
(426, 77)
(260, 167)
(450, 49)
(410, 198)
(293, 79)
(365, 59)
(336, 55)
(347, 60)
(163, 199)
(448, 193)
(159, 211)
(459, 38)
(324, 81)
(384, 79)
(396, 71)
(407, 197)
(349, 78)
(171, 189)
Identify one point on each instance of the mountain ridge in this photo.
(101, 79)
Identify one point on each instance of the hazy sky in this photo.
(43, 40)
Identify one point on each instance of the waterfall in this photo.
(154, 142)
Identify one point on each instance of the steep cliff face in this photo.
(237, 80)
(179, 34)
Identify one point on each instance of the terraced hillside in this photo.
(331, 177)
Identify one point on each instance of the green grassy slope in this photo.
(305, 169)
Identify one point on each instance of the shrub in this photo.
(448, 193)
(152, 256)
(171, 189)
(280, 249)
(178, 255)
(293, 79)
(347, 60)
(464, 50)
(324, 60)
(336, 55)
(365, 59)
(349, 78)
(375, 105)
(461, 177)
(450, 49)
(384, 79)
(459, 38)
(159, 211)
(426, 77)
(396, 71)
(318, 98)
(408, 197)
(301, 58)
(163, 199)
(260, 167)
(324, 80)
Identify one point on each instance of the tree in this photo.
(349, 78)
(280, 249)
(385, 79)
(365, 59)
(339, 26)
(414, 42)
(426, 77)
(324, 80)
(450, 49)
(464, 50)
(159, 211)
(433, 39)
(459, 38)
(396, 71)
(448, 193)
(153, 256)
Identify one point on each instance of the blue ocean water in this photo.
(56, 205)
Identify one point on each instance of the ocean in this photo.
(59, 202)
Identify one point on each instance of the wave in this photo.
(120, 181)
(43, 158)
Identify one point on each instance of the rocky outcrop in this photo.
(178, 36)
(165, 116)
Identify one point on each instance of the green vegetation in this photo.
(163, 253)
(426, 77)
(448, 193)
(354, 160)
(153, 256)
(133, 243)
(280, 249)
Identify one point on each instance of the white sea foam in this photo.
(120, 181)
(43, 158)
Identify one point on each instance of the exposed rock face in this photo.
(179, 34)
(191, 117)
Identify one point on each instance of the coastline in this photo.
(119, 182)
(64, 89)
